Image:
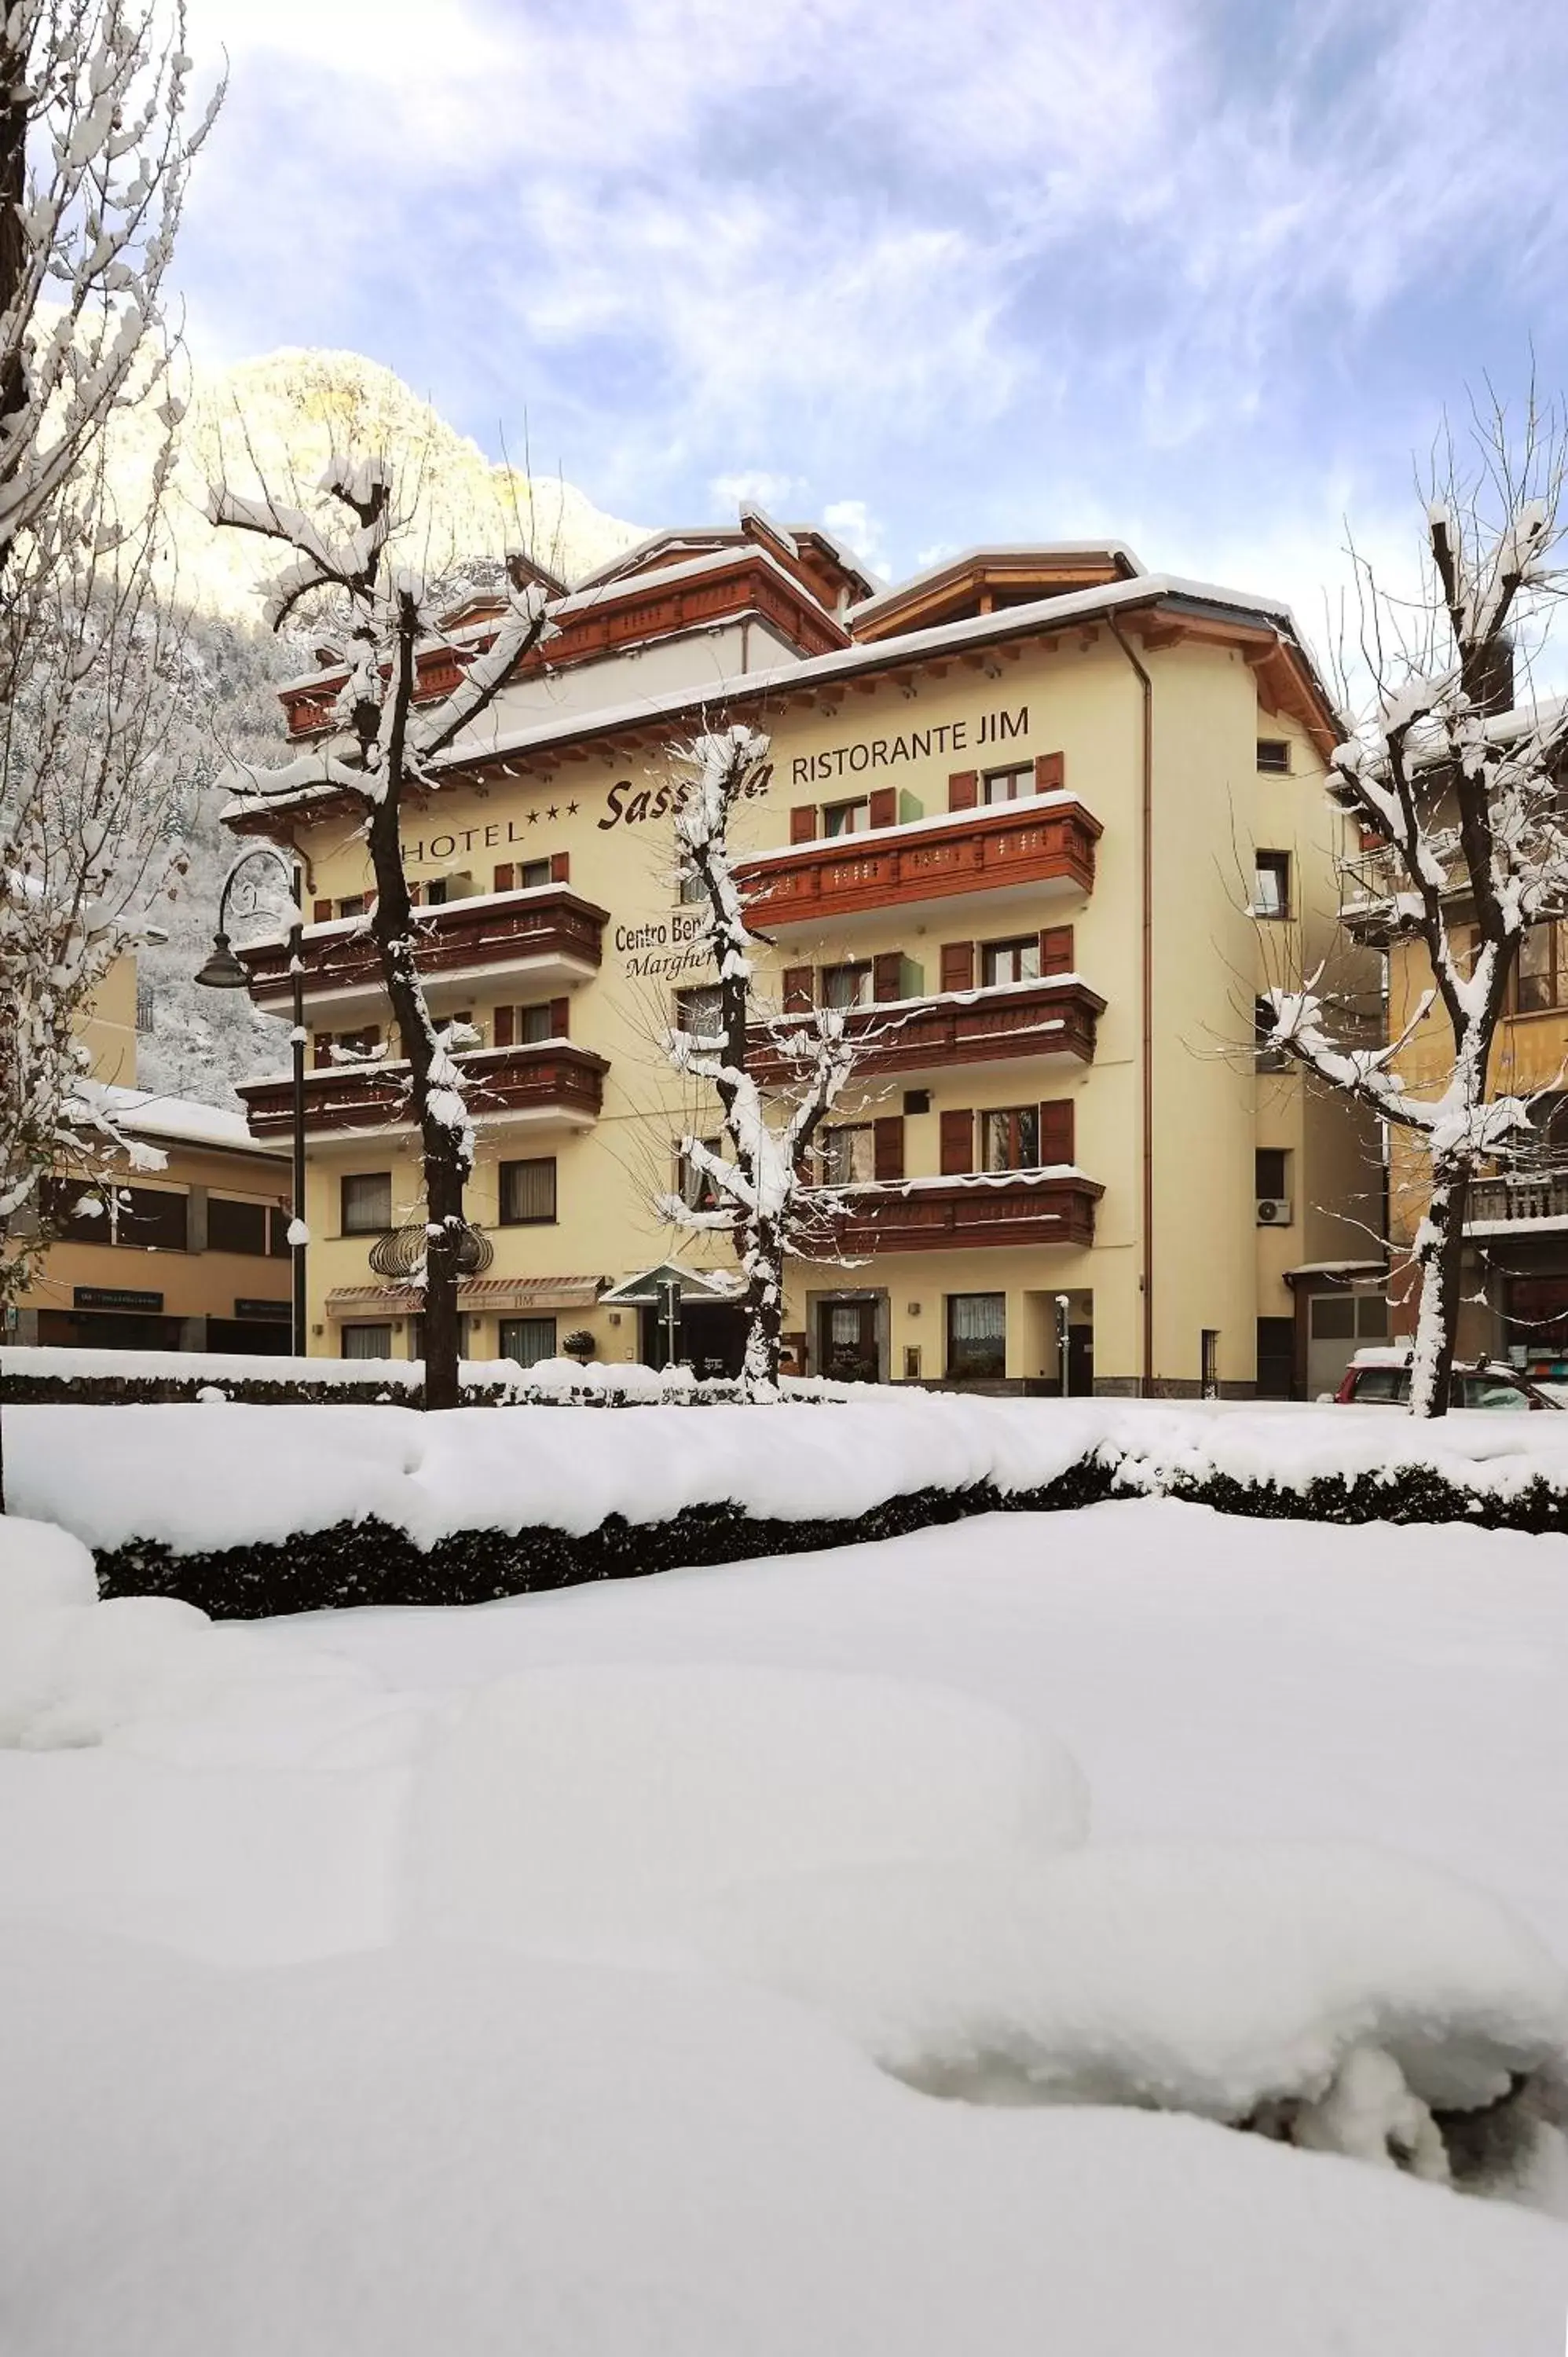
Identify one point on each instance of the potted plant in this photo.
(580, 1346)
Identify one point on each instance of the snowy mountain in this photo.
(278, 417)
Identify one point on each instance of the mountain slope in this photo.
(278, 417)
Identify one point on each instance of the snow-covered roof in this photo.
(731, 534)
(880, 654)
(179, 1119)
(1006, 553)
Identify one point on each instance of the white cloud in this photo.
(851, 521)
(755, 487)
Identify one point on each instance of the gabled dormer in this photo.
(987, 581)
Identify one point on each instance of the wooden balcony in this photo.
(553, 1083)
(1011, 1206)
(973, 850)
(1055, 1018)
(548, 936)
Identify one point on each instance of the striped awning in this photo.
(474, 1295)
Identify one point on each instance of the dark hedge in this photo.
(372, 1562)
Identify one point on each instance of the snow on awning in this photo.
(525, 1293)
(641, 1292)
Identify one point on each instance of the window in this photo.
(351, 905)
(846, 985)
(1008, 785)
(416, 1338)
(1268, 1058)
(236, 1227)
(145, 1216)
(367, 1203)
(527, 1339)
(528, 1193)
(1270, 1178)
(443, 888)
(531, 873)
(695, 1190)
(846, 818)
(144, 1021)
(367, 1342)
(532, 1024)
(1347, 1318)
(140, 1217)
(1271, 884)
(1010, 960)
(279, 1224)
(700, 1012)
(977, 1335)
(1209, 1364)
(849, 1155)
(1010, 1139)
(1274, 755)
(1277, 1357)
(1542, 975)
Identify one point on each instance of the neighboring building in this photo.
(192, 1256)
(1514, 1291)
(1025, 808)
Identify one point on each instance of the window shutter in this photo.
(560, 1019)
(370, 902)
(888, 1144)
(798, 994)
(883, 809)
(560, 867)
(505, 1024)
(887, 975)
(957, 1143)
(1050, 773)
(957, 965)
(963, 788)
(1056, 1130)
(321, 1049)
(1055, 950)
(505, 874)
(415, 896)
(803, 823)
(321, 912)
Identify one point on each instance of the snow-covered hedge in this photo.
(248, 1510)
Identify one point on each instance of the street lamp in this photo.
(223, 971)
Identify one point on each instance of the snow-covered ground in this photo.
(595, 1973)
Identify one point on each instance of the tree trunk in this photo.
(763, 1263)
(392, 923)
(1439, 1255)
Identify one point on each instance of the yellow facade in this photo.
(1178, 1254)
(149, 1268)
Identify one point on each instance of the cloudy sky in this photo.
(1201, 274)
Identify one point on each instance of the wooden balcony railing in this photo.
(550, 1079)
(1011, 1206)
(1520, 1198)
(975, 851)
(493, 930)
(1055, 1016)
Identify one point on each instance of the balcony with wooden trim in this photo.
(1029, 1207)
(1524, 1203)
(1042, 844)
(551, 1083)
(1052, 1019)
(548, 937)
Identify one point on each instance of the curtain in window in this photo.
(979, 1317)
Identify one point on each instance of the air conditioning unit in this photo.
(1273, 1212)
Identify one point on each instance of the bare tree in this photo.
(761, 1191)
(95, 147)
(386, 744)
(96, 141)
(1456, 786)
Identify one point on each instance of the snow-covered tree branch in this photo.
(759, 1190)
(384, 744)
(1456, 781)
(95, 151)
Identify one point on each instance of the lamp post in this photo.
(223, 971)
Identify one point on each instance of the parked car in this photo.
(1380, 1378)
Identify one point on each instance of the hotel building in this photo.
(1047, 823)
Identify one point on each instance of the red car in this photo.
(1382, 1379)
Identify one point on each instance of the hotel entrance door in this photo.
(847, 1341)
